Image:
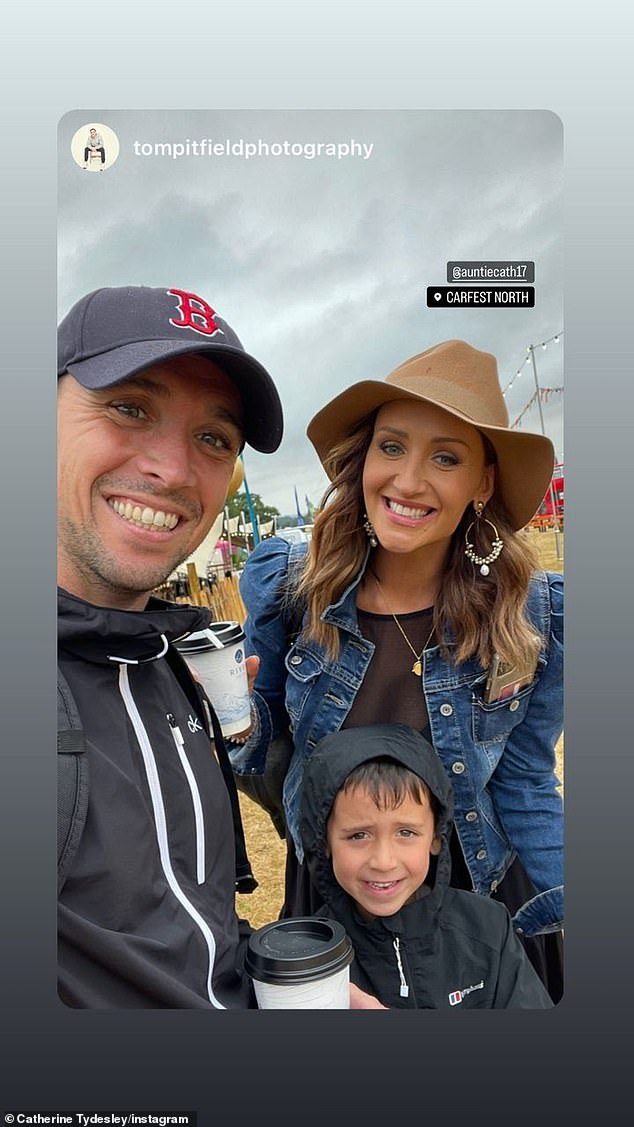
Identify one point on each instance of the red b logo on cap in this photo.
(196, 314)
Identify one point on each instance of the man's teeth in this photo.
(144, 517)
(381, 884)
(406, 511)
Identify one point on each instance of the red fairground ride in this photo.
(551, 511)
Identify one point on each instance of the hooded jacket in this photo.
(146, 913)
(447, 947)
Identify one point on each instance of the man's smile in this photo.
(142, 515)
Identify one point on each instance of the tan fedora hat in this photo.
(463, 381)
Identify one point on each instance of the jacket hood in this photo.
(335, 756)
(104, 634)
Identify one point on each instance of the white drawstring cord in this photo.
(404, 991)
(144, 660)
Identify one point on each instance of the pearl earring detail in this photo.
(369, 531)
(496, 543)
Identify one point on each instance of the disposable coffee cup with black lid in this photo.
(301, 963)
(217, 655)
(216, 636)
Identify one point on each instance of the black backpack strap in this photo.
(245, 881)
(72, 779)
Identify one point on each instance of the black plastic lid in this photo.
(199, 642)
(298, 950)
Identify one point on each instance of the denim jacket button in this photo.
(514, 705)
(472, 816)
(481, 855)
(457, 768)
(296, 660)
(446, 710)
(494, 885)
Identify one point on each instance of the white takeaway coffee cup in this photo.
(300, 964)
(217, 656)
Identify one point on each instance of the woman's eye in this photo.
(446, 459)
(391, 448)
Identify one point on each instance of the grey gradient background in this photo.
(568, 1066)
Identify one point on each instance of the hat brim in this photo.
(263, 419)
(525, 462)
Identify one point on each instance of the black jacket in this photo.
(456, 948)
(146, 913)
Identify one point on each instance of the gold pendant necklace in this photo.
(417, 667)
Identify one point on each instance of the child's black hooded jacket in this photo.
(455, 948)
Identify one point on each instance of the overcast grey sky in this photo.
(321, 265)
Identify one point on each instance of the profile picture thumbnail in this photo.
(95, 147)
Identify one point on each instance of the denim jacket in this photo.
(500, 757)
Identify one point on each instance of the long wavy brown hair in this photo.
(480, 615)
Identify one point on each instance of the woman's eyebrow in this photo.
(406, 434)
(450, 438)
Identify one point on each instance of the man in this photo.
(156, 399)
(94, 144)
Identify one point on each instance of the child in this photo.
(376, 816)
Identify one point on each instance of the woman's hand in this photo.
(253, 664)
(359, 1000)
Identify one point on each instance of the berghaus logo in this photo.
(456, 996)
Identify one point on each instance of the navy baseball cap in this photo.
(115, 332)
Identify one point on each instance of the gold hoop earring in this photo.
(496, 544)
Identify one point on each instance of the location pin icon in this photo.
(437, 296)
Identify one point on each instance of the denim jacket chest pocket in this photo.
(493, 722)
(303, 667)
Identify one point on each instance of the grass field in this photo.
(267, 852)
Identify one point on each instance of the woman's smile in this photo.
(403, 513)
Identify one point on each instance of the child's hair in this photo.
(389, 783)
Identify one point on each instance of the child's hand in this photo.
(359, 1000)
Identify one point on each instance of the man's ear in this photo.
(435, 846)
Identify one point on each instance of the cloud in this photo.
(321, 266)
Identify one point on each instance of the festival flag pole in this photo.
(300, 518)
(229, 538)
(252, 517)
(531, 349)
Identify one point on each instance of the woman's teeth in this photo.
(144, 517)
(406, 511)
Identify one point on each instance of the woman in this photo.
(423, 606)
